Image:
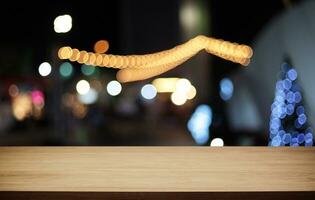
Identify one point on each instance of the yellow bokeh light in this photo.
(165, 84)
(65, 52)
(191, 92)
(140, 67)
(75, 55)
(178, 98)
(22, 106)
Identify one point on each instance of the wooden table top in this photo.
(157, 169)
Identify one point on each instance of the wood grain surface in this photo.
(157, 169)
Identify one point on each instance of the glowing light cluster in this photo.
(184, 91)
(22, 106)
(73, 102)
(288, 105)
(181, 89)
(139, 67)
(199, 124)
(26, 104)
(63, 24)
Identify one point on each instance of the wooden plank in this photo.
(157, 169)
(157, 195)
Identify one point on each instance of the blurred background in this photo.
(205, 101)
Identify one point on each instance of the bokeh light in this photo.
(217, 142)
(44, 69)
(165, 84)
(83, 87)
(178, 98)
(101, 46)
(87, 70)
(13, 90)
(183, 85)
(89, 98)
(148, 91)
(22, 106)
(63, 24)
(192, 92)
(113, 88)
(66, 69)
(38, 98)
(199, 124)
(226, 89)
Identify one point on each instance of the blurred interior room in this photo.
(206, 101)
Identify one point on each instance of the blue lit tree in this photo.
(288, 120)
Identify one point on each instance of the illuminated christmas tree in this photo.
(288, 120)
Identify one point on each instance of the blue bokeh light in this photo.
(302, 119)
(276, 141)
(199, 124)
(290, 97)
(300, 138)
(287, 84)
(226, 89)
(300, 110)
(286, 138)
(292, 74)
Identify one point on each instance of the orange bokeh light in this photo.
(101, 46)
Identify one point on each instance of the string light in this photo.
(140, 67)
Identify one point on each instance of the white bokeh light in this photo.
(183, 85)
(63, 24)
(217, 142)
(114, 88)
(83, 87)
(178, 98)
(148, 91)
(89, 98)
(44, 69)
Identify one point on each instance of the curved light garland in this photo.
(140, 67)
